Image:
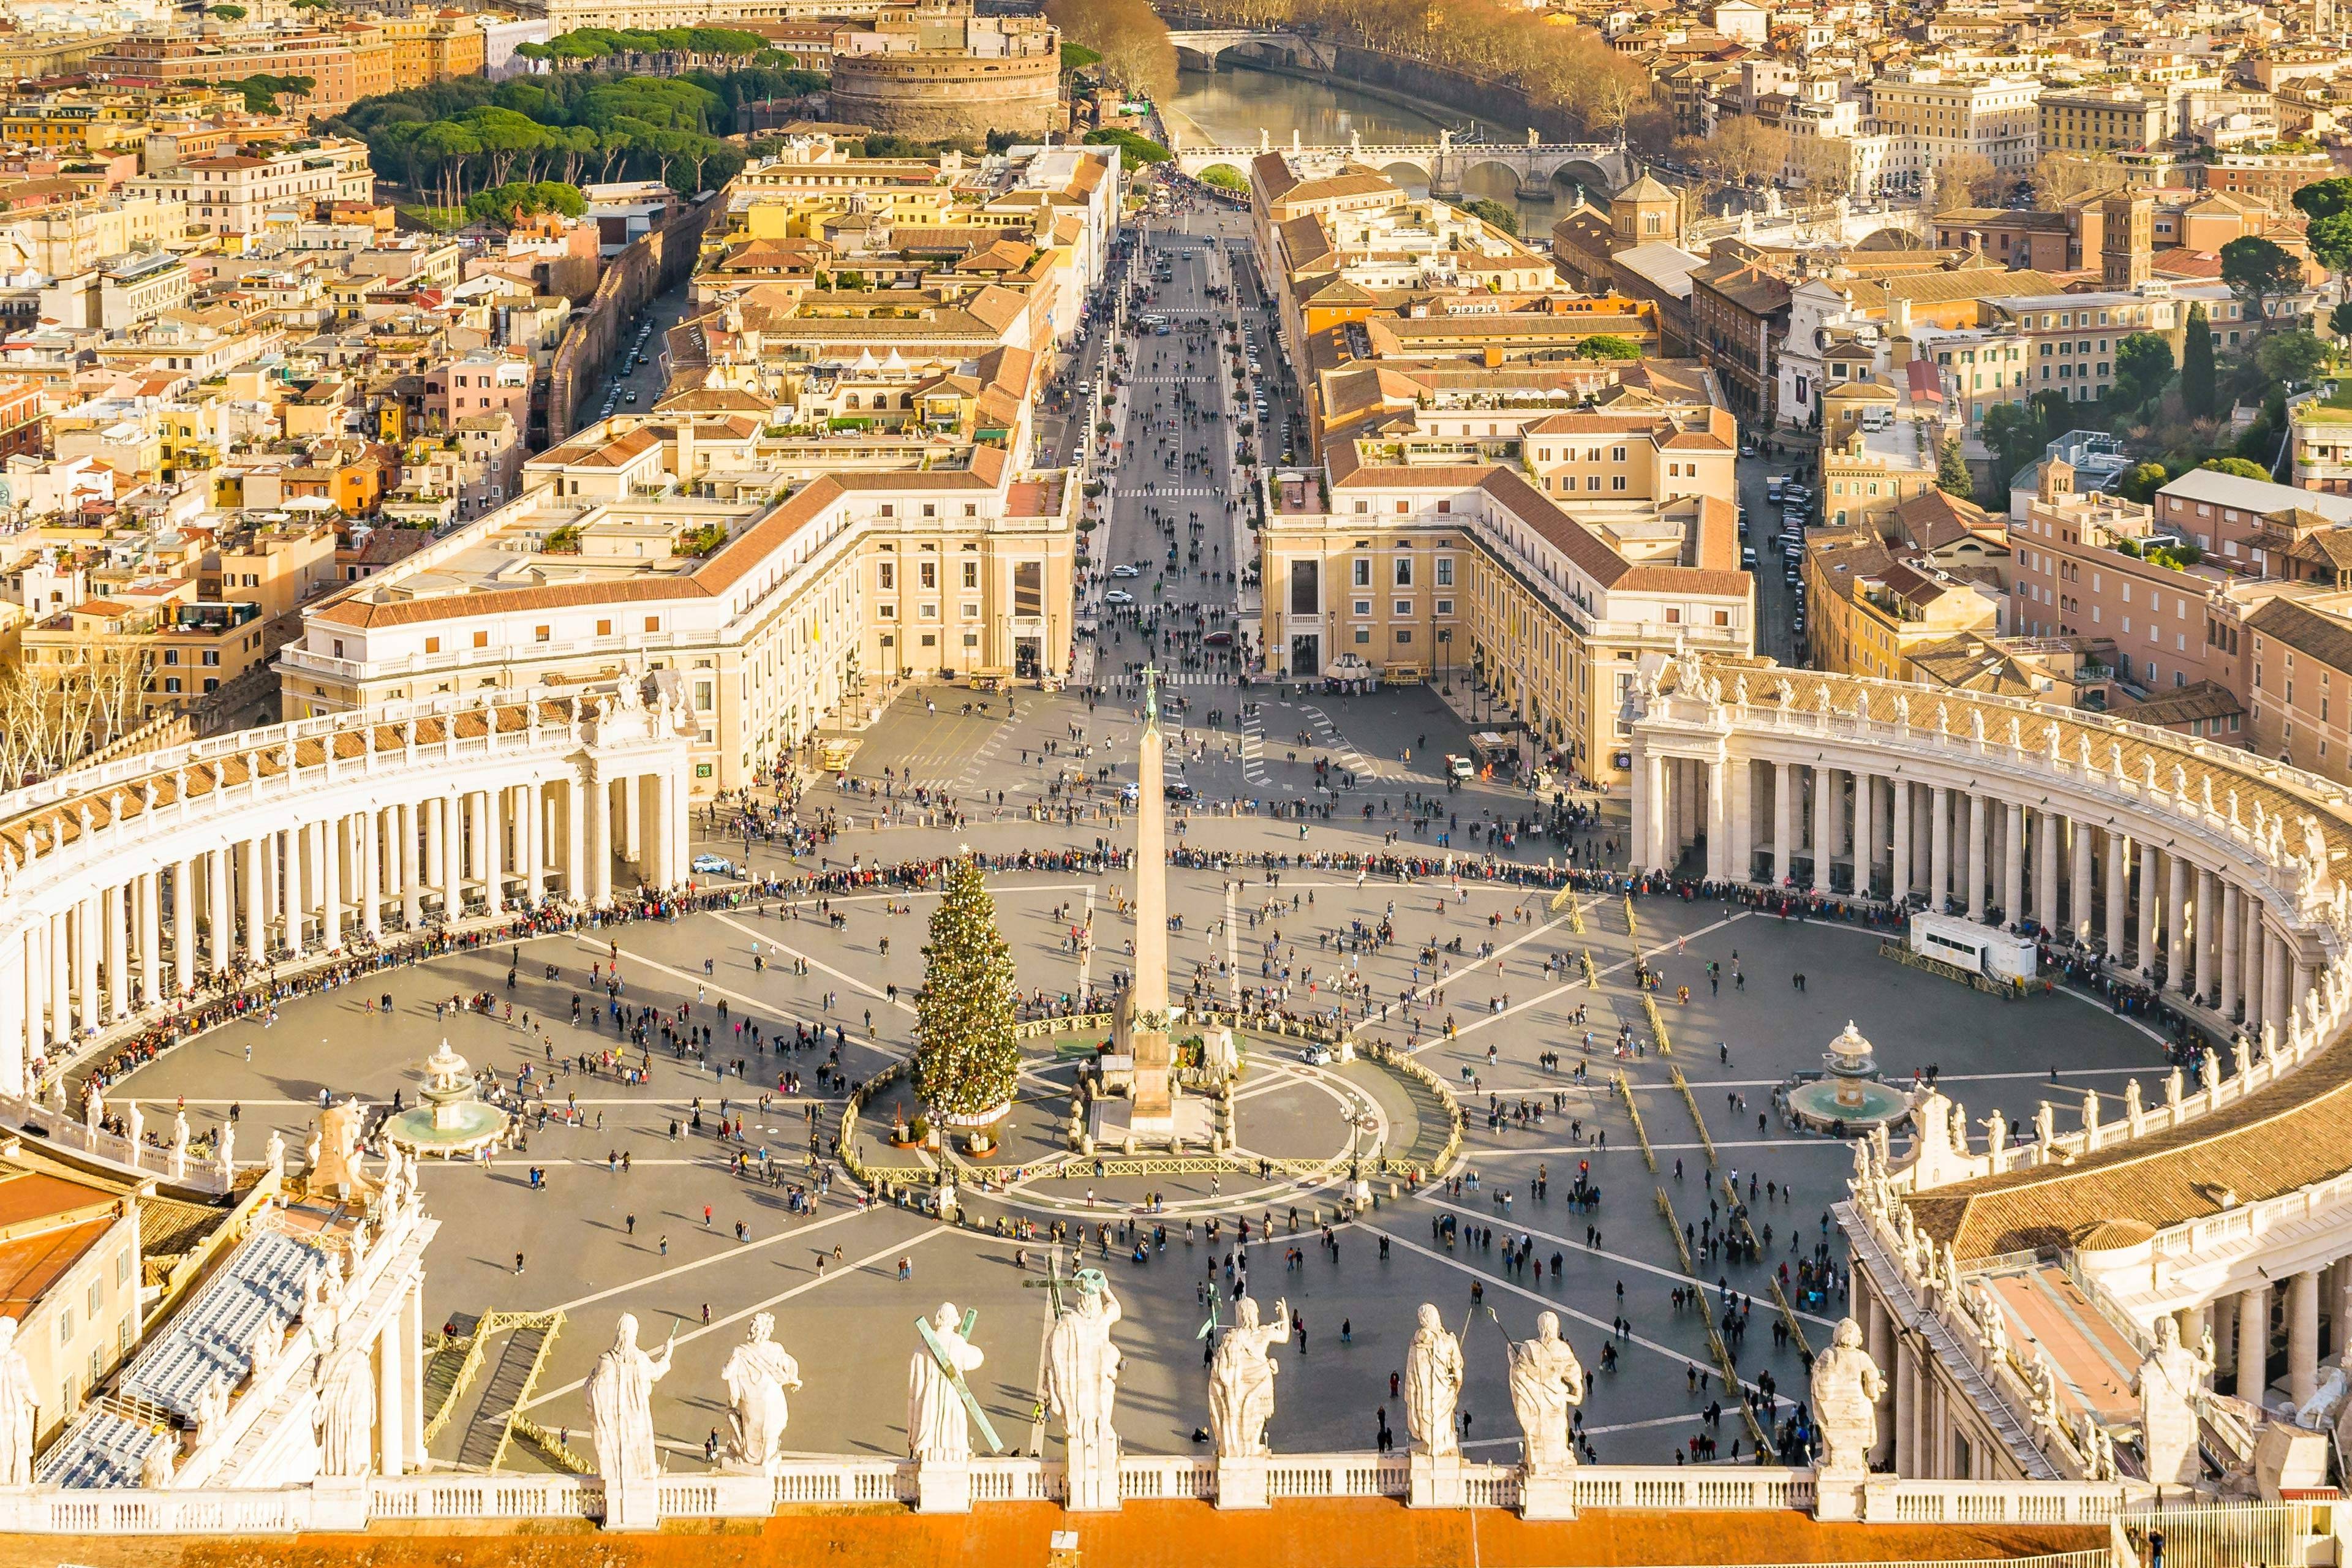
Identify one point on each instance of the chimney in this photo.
(1899, 315)
(1975, 242)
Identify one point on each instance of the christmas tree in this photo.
(966, 1059)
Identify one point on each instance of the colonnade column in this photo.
(336, 834)
(1719, 819)
(597, 823)
(2275, 1000)
(1899, 844)
(1940, 847)
(1650, 852)
(2205, 933)
(2253, 1342)
(256, 938)
(495, 811)
(222, 906)
(1975, 858)
(184, 925)
(371, 873)
(451, 816)
(2176, 924)
(1865, 832)
(1740, 805)
(411, 883)
(534, 820)
(118, 955)
(391, 1399)
(2303, 1336)
(2048, 828)
(2151, 907)
(17, 1005)
(1825, 793)
(2117, 881)
(1783, 825)
(576, 803)
(2012, 866)
(148, 888)
(2082, 894)
(86, 939)
(2234, 942)
(633, 822)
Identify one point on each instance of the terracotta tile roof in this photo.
(2325, 638)
(2188, 704)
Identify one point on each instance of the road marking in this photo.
(849, 979)
(847, 1035)
(1572, 1249)
(1497, 1282)
(716, 1324)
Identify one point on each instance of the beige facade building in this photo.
(1546, 550)
(775, 600)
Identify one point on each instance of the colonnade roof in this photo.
(208, 767)
(2289, 1134)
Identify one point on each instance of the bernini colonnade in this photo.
(131, 882)
(2200, 869)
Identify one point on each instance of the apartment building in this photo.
(1929, 119)
(2298, 646)
(236, 194)
(2088, 563)
(1876, 608)
(2102, 120)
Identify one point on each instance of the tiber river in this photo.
(1229, 108)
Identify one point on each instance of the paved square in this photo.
(595, 1242)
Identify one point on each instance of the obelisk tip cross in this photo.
(1151, 696)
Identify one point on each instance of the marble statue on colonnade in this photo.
(1241, 1380)
(1433, 1383)
(1547, 1382)
(18, 1400)
(1081, 1382)
(1846, 1387)
(2168, 1384)
(345, 1417)
(1432, 1387)
(620, 1405)
(938, 1431)
(758, 1372)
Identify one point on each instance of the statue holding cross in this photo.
(940, 1403)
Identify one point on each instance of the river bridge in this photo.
(1599, 166)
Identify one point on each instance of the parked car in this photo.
(1124, 570)
(714, 865)
(1119, 596)
(1316, 1055)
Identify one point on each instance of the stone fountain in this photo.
(1848, 1098)
(450, 1120)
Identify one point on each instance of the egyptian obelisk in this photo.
(1143, 1018)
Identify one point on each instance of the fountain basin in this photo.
(1858, 1104)
(447, 1131)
